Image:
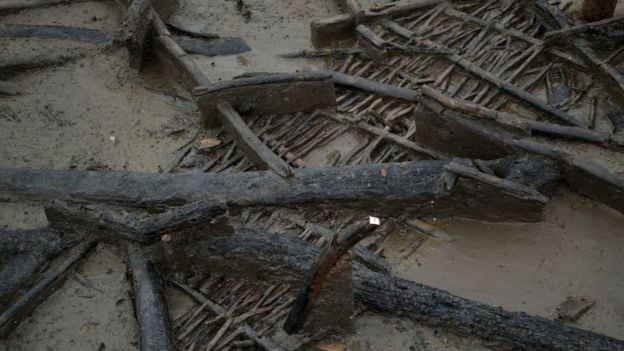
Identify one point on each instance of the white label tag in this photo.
(374, 220)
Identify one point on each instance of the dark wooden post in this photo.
(595, 10)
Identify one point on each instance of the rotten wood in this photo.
(51, 280)
(86, 35)
(454, 132)
(267, 94)
(367, 85)
(23, 254)
(110, 225)
(516, 123)
(261, 253)
(249, 143)
(135, 30)
(14, 5)
(410, 186)
(472, 68)
(315, 280)
(150, 304)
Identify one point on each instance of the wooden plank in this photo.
(267, 94)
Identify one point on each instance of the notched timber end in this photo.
(280, 93)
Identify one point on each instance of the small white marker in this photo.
(112, 138)
(374, 220)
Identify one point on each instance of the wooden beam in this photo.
(315, 280)
(409, 186)
(456, 133)
(150, 305)
(280, 93)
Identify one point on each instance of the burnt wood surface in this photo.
(150, 305)
(419, 186)
(23, 254)
(287, 258)
(11, 316)
(459, 134)
(280, 93)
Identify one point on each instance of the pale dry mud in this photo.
(95, 113)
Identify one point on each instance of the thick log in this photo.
(56, 32)
(423, 186)
(259, 255)
(111, 225)
(326, 261)
(367, 85)
(150, 304)
(457, 133)
(23, 254)
(13, 5)
(516, 123)
(249, 143)
(333, 53)
(267, 94)
(52, 279)
(519, 93)
(8, 88)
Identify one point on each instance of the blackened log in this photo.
(279, 93)
(519, 93)
(13, 5)
(516, 123)
(56, 32)
(454, 132)
(288, 258)
(599, 26)
(212, 47)
(52, 279)
(422, 186)
(23, 254)
(111, 225)
(315, 279)
(249, 143)
(333, 53)
(150, 304)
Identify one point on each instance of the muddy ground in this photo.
(96, 113)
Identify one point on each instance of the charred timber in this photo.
(280, 93)
(423, 186)
(315, 280)
(458, 133)
(24, 253)
(51, 280)
(150, 304)
(287, 258)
